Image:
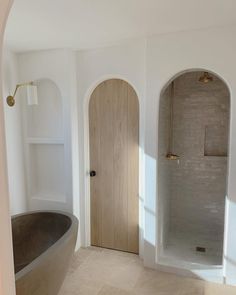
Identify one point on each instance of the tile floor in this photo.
(183, 246)
(96, 271)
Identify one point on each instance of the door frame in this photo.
(87, 196)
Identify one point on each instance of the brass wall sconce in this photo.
(32, 94)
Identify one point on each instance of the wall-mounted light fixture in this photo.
(32, 94)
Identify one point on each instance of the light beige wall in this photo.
(7, 286)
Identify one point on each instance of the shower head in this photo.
(205, 78)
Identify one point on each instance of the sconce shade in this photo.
(32, 95)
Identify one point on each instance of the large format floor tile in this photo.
(96, 271)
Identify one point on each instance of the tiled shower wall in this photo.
(197, 183)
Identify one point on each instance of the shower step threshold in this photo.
(210, 273)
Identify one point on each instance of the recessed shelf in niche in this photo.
(47, 172)
(216, 141)
(49, 196)
(38, 140)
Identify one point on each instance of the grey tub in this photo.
(43, 244)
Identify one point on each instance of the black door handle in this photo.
(92, 173)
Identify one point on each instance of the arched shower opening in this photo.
(193, 138)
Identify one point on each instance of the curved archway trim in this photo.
(7, 279)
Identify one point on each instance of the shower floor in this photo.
(182, 246)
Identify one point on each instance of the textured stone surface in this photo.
(44, 243)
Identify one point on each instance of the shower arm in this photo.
(171, 119)
(170, 155)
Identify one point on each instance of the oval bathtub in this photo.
(43, 244)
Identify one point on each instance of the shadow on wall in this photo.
(193, 124)
(151, 219)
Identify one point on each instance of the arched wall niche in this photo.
(45, 142)
(46, 119)
(193, 122)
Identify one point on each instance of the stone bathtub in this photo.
(43, 244)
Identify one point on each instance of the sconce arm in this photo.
(21, 85)
(11, 99)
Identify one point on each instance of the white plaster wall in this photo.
(167, 55)
(148, 65)
(7, 280)
(57, 66)
(94, 66)
(14, 136)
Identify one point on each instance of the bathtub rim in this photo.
(32, 265)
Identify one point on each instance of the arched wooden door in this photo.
(114, 158)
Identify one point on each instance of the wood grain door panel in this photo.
(114, 155)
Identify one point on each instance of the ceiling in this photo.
(80, 24)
